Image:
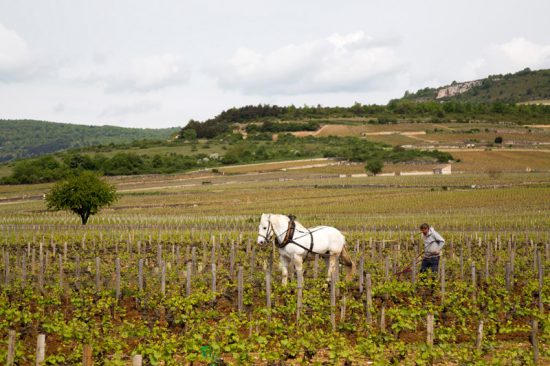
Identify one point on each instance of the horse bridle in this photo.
(270, 230)
(289, 233)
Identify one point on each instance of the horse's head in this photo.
(265, 230)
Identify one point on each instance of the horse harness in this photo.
(289, 238)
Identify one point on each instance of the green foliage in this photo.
(270, 126)
(374, 166)
(284, 119)
(286, 147)
(48, 168)
(83, 194)
(27, 138)
(40, 170)
(188, 134)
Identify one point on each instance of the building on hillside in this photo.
(443, 169)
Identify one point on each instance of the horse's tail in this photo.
(348, 262)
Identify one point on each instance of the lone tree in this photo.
(83, 194)
(374, 166)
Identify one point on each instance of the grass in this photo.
(201, 146)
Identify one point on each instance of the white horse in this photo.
(295, 242)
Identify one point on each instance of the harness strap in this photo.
(288, 235)
(289, 238)
(310, 250)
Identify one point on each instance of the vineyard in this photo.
(172, 274)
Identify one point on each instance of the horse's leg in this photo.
(298, 263)
(327, 266)
(284, 269)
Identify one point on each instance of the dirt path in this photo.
(501, 150)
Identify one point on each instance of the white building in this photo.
(444, 169)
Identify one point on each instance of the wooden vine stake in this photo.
(383, 318)
(137, 360)
(214, 289)
(300, 286)
(140, 275)
(315, 266)
(442, 280)
(11, 348)
(40, 349)
(541, 277)
(479, 338)
(361, 274)
(534, 340)
(97, 274)
(163, 278)
(368, 281)
(117, 278)
(188, 279)
(87, 355)
(508, 277)
(413, 271)
(333, 301)
(240, 289)
(430, 329)
(60, 271)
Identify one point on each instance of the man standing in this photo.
(433, 243)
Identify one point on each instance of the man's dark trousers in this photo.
(429, 264)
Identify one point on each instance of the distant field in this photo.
(398, 139)
(489, 138)
(470, 161)
(274, 166)
(502, 160)
(422, 134)
(540, 101)
(202, 146)
(316, 196)
(5, 170)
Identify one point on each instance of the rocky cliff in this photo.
(456, 89)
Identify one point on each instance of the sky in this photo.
(156, 64)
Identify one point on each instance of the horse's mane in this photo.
(299, 226)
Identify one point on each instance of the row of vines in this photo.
(208, 294)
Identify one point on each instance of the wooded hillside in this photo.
(27, 138)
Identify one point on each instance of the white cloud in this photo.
(139, 74)
(339, 63)
(140, 107)
(15, 56)
(150, 73)
(524, 53)
(508, 57)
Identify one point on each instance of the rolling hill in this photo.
(523, 86)
(28, 138)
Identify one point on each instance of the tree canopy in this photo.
(84, 194)
(374, 166)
